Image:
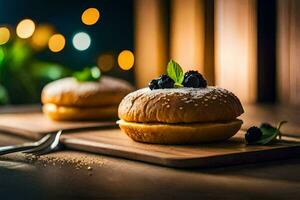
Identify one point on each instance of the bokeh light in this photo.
(90, 16)
(41, 36)
(25, 28)
(81, 41)
(106, 62)
(126, 60)
(56, 42)
(4, 35)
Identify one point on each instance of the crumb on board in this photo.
(73, 159)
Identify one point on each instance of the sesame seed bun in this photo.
(184, 105)
(180, 116)
(69, 92)
(68, 99)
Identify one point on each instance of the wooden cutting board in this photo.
(234, 151)
(33, 125)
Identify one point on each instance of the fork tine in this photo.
(48, 146)
(56, 139)
(44, 151)
(42, 145)
(43, 139)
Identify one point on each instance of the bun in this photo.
(69, 92)
(180, 133)
(180, 116)
(68, 99)
(184, 105)
(62, 113)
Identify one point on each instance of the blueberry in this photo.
(253, 134)
(164, 81)
(266, 126)
(194, 79)
(153, 84)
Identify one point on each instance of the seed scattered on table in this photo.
(74, 159)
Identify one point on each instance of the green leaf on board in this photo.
(270, 134)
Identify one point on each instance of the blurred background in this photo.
(41, 41)
(250, 47)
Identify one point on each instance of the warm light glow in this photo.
(90, 16)
(56, 42)
(25, 28)
(41, 36)
(235, 48)
(187, 34)
(151, 48)
(126, 60)
(105, 62)
(81, 41)
(4, 35)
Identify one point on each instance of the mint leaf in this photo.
(178, 85)
(270, 134)
(267, 136)
(87, 74)
(175, 72)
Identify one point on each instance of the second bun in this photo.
(68, 99)
(70, 92)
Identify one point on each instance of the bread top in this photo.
(70, 92)
(183, 105)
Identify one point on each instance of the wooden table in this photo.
(114, 178)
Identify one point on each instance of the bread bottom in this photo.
(159, 133)
(64, 113)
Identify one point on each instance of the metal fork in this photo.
(45, 145)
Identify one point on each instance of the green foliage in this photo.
(87, 74)
(22, 76)
(3, 96)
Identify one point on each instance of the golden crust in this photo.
(69, 92)
(184, 105)
(63, 113)
(159, 133)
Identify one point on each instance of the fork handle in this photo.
(15, 148)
